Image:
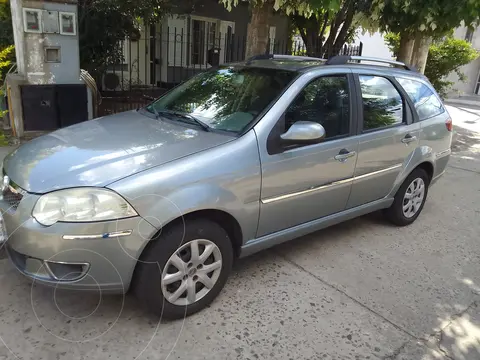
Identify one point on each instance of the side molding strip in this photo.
(326, 186)
(98, 236)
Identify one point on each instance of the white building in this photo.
(470, 88)
(374, 45)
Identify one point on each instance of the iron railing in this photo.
(147, 67)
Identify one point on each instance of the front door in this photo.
(304, 183)
(227, 32)
(477, 85)
(388, 137)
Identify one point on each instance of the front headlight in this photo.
(81, 205)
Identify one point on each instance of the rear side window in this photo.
(382, 103)
(426, 102)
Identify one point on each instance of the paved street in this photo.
(360, 290)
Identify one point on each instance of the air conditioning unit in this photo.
(112, 81)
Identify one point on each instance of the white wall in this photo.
(471, 70)
(374, 45)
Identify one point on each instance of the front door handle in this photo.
(344, 154)
(408, 139)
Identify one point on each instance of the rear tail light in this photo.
(449, 124)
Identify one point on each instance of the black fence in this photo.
(147, 67)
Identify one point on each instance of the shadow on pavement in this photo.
(465, 139)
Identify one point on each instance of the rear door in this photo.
(435, 136)
(387, 136)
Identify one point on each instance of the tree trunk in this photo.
(334, 27)
(420, 51)
(309, 29)
(405, 51)
(343, 33)
(258, 30)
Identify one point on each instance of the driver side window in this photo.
(325, 101)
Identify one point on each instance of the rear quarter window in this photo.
(427, 104)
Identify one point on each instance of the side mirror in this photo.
(303, 132)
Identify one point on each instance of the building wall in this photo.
(374, 45)
(37, 71)
(179, 69)
(471, 70)
(171, 42)
(239, 14)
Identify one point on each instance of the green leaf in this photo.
(278, 4)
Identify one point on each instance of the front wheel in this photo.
(409, 199)
(184, 269)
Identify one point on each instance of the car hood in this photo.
(98, 152)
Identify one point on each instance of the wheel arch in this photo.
(428, 167)
(220, 217)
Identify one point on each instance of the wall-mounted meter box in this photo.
(32, 20)
(51, 24)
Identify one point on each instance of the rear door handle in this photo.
(408, 139)
(344, 154)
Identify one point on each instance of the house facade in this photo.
(182, 45)
(471, 87)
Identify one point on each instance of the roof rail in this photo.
(344, 59)
(283, 57)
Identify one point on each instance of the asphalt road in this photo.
(360, 290)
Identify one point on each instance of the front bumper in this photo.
(57, 255)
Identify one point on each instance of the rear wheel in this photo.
(184, 269)
(409, 199)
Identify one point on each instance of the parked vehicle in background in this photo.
(231, 162)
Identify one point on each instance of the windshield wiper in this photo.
(152, 109)
(187, 117)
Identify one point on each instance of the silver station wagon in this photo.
(163, 199)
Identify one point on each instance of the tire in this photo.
(150, 274)
(395, 213)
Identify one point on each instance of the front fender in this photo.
(197, 197)
(225, 178)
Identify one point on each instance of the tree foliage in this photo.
(5, 64)
(6, 30)
(434, 17)
(324, 25)
(444, 57)
(104, 23)
(326, 30)
(419, 21)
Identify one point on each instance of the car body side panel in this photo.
(438, 140)
(381, 158)
(306, 179)
(225, 178)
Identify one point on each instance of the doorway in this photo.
(477, 84)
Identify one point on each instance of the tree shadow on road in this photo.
(464, 139)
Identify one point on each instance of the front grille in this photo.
(12, 197)
(12, 194)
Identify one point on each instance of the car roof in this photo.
(305, 64)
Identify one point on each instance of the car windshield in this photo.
(226, 99)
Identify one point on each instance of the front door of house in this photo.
(227, 30)
(477, 85)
